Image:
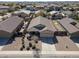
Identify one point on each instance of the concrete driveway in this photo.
(65, 44)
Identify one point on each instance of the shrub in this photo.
(34, 47)
(30, 44)
(28, 48)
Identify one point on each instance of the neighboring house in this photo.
(53, 12)
(40, 13)
(31, 9)
(57, 16)
(68, 13)
(40, 6)
(4, 8)
(70, 27)
(28, 12)
(23, 15)
(73, 22)
(42, 25)
(10, 26)
(54, 7)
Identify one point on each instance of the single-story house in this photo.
(71, 28)
(40, 6)
(73, 22)
(42, 25)
(10, 26)
(57, 16)
(31, 9)
(60, 30)
(40, 13)
(53, 12)
(67, 12)
(55, 7)
(23, 15)
(4, 8)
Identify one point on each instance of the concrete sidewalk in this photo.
(16, 54)
(43, 54)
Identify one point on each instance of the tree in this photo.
(74, 16)
(41, 13)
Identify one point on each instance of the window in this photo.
(39, 27)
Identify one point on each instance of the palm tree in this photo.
(34, 47)
(36, 41)
(30, 44)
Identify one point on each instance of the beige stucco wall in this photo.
(43, 34)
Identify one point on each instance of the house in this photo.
(23, 15)
(40, 13)
(40, 6)
(4, 8)
(73, 22)
(54, 7)
(28, 12)
(56, 15)
(60, 30)
(10, 26)
(70, 27)
(68, 13)
(42, 25)
(53, 12)
(31, 9)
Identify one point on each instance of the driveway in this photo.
(65, 44)
(48, 44)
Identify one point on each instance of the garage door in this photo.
(3, 41)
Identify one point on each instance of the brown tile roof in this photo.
(10, 24)
(65, 22)
(41, 20)
(4, 7)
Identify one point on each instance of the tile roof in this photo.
(65, 22)
(1, 7)
(10, 24)
(43, 21)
